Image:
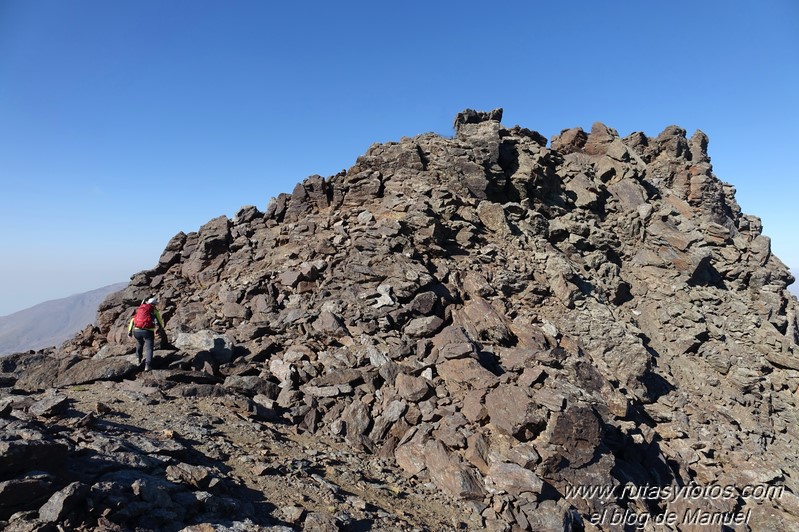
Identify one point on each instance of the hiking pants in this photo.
(144, 339)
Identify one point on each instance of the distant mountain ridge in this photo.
(52, 322)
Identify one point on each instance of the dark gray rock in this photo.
(27, 493)
(92, 370)
(6, 405)
(423, 327)
(51, 405)
(198, 477)
(62, 502)
(17, 455)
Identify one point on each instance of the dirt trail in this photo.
(285, 475)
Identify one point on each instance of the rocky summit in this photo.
(489, 331)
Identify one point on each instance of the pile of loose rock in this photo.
(503, 321)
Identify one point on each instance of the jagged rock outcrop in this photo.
(501, 319)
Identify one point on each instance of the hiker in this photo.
(142, 327)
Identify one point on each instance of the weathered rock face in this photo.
(505, 320)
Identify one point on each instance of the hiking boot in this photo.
(147, 368)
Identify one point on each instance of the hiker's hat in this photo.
(153, 300)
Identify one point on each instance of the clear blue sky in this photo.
(123, 122)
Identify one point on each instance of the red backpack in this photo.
(143, 319)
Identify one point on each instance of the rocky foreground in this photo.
(456, 333)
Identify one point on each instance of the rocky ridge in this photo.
(498, 320)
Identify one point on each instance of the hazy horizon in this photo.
(121, 284)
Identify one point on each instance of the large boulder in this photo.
(219, 346)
